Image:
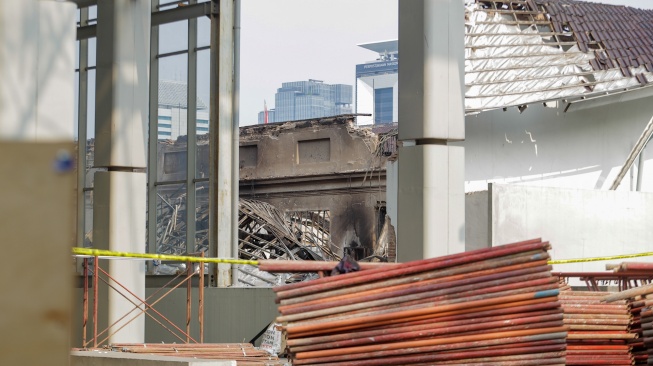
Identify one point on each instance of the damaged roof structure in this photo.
(536, 51)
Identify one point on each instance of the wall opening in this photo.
(313, 151)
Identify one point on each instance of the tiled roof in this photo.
(173, 94)
(526, 51)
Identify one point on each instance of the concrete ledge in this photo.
(108, 358)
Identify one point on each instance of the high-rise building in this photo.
(173, 105)
(309, 99)
(376, 84)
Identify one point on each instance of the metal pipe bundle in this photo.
(494, 306)
(637, 287)
(598, 332)
(642, 328)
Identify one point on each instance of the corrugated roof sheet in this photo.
(174, 94)
(526, 51)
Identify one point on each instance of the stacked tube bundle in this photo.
(494, 306)
(598, 332)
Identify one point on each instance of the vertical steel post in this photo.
(82, 121)
(189, 287)
(200, 301)
(96, 265)
(85, 302)
(153, 136)
(235, 162)
(191, 128)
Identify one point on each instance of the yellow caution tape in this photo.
(183, 258)
(162, 257)
(597, 259)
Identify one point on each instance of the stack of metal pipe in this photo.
(598, 332)
(494, 306)
(638, 294)
(642, 326)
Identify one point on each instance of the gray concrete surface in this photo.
(95, 358)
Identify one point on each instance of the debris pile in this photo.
(264, 233)
(243, 353)
(487, 307)
(598, 332)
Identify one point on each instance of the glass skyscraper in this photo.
(298, 100)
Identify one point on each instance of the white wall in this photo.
(579, 223)
(548, 147)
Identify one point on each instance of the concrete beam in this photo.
(221, 134)
(119, 224)
(430, 194)
(431, 202)
(121, 119)
(122, 83)
(431, 71)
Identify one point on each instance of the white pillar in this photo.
(431, 205)
(122, 89)
(222, 139)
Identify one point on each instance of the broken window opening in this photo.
(248, 156)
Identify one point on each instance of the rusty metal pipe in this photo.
(426, 286)
(96, 266)
(547, 321)
(464, 319)
(403, 350)
(458, 294)
(424, 311)
(327, 283)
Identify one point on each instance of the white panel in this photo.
(119, 225)
(548, 147)
(56, 70)
(18, 70)
(578, 223)
(364, 100)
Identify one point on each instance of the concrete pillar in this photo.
(122, 85)
(431, 205)
(221, 134)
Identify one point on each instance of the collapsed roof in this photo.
(530, 51)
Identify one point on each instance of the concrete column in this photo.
(122, 85)
(431, 206)
(221, 134)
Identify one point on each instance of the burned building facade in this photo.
(327, 174)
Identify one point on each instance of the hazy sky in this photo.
(292, 40)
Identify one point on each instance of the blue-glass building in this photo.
(377, 82)
(298, 100)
